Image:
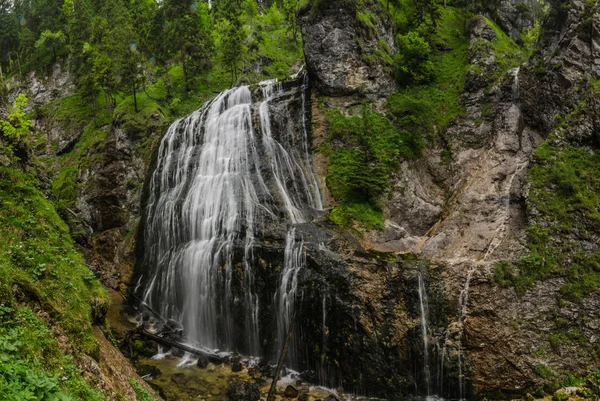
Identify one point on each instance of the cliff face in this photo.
(475, 210)
(346, 54)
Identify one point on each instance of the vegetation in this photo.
(364, 150)
(564, 196)
(13, 130)
(41, 271)
(429, 108)
(413, 60)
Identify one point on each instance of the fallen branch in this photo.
(212, 357)
(271, 396)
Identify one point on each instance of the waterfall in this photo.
(218, 179)
(463, 302)
(423, 304)
(288, 284)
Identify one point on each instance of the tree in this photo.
(51, 40)
(273, 17)
(87, 81)
(427, 12)
(14, 129)
(232, 49)
(188, 36)
(250, 11)
(9, 31)
(413, 64)
(130, 73)
(290, 13)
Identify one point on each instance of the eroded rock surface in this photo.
(341, 55)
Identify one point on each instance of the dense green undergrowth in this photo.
(429, 109)
(564, 199)
(41, 271)
(364, 150)
(565, 196)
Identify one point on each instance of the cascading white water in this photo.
(423, 304)
(285, 296)
(463, 302)
(214, 181)
(284, 166)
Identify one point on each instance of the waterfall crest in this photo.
(219, 179)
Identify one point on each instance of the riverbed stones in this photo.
(290, 392)
(243, 391)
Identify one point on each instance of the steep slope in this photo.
(51, 302)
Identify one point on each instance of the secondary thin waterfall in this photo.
(285, 297)
(218, 179)
(423, 306)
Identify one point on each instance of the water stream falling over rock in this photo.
(423, 306)
(219, 183)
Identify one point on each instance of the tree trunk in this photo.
(286, 344)
(134, 96)
(174, 344)
(185, 77)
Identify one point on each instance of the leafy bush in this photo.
(413, 60)
(364, 151)
(504, 274)
(13, 130)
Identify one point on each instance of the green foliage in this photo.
(504, 274)
(53, 41)
(273, 17)
(32, 366)
(560, 397)
(413, 60)
(17, 124)
(429, 109)
(544, 371)
(506, 52)
(188, 36)
(14, 130)
(232, 49)
(564, 191)
(364, 151)
(38, 256)
(531, 36)
(290, 14)
(140, 393)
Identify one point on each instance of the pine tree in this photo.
(188, 36)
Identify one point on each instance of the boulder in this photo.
(243, 391)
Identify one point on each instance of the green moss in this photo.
(565, 192)
(38, 257)
(507, 53)
(32, 364)
(345, 215)
(140, 393)
(544, 372)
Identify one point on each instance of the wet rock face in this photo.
(556, 77)
(471, 212)
(528, 333)
(108, 206)
(335, 47)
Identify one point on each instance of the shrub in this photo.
(413, 60)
